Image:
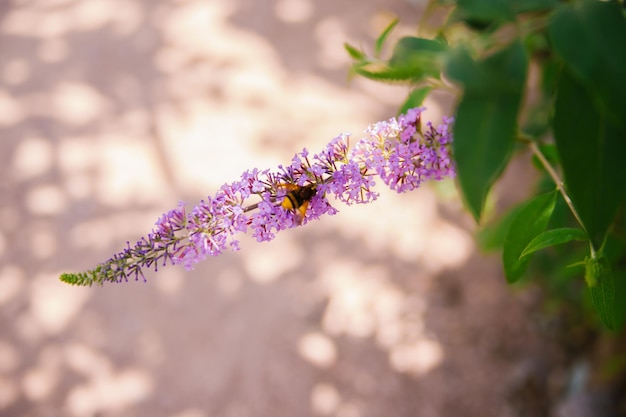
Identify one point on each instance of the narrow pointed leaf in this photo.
(552, 238)
(380, 42)
(530, 222)
(415, 99)
(381, 72)
(601, 283)
(486, 118)
(354, 52)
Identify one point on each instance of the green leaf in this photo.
(383, 36)
(553, 237)
(620, 297)
(461, 67)
(492, 235)
(601, 283)
(590, 37)
(413, 59)
(379, 71)
(531, 221)
(485, 10)
(523, 6)
(415, 99)
(500, 10)
(354, 52)
(485, 126)
(421, 56)
(592, 149)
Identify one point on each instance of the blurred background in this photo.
(113, 111)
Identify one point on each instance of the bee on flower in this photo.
(264, 202)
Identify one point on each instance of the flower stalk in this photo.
(396, 151)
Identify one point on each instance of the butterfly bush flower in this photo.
(401, 152)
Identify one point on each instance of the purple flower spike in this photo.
(395, 150)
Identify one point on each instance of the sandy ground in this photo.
(112, 111)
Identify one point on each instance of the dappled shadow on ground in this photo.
(112, 112)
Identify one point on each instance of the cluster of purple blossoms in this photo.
(397, 151)
(412, 157)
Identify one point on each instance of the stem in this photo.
(250, 207)
(559, 185)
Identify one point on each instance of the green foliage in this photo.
(380, 42)
(552, 238)
(492, 235)
(483, 15)
(413, 59)
(575, 127)
(354, 52)
(529, 223)
(601, 283)
(589, 37)
(591, 149)
(501, 10)
(486, 117)
(415, 99)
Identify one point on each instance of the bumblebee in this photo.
(297, 199)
